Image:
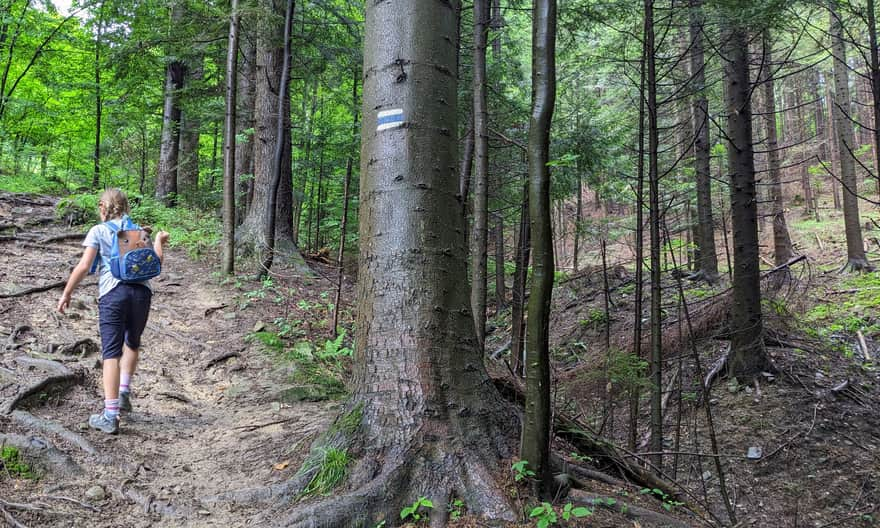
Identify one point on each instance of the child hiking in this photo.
(123, 306)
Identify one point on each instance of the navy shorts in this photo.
(122, 316)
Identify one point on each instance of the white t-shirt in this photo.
(100, 237)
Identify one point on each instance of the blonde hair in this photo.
(115, 203)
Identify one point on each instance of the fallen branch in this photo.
(795, 437)
(212, 309)
(10, 519)
(175, 396)
(634, 513)
(71, 500)
(61, 238)
(254, 427)
(864, 345)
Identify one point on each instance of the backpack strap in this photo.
(114, 246)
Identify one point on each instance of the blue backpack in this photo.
(131, 257)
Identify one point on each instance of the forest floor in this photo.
(224, 398)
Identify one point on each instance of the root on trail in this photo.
(149, 503)
(41, 453)
(634, 513)
(39, 289)
(30, 421)
(856, 265)
(63, 377)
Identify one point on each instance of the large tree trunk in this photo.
(252, 233)
(748, 357)
(782, 250)
(169, 148)
(191, 123)
(244, 124)
(536, 427)
(423, 419)
(841, 110)
(480, 227)
(227, 264)
(706, 233)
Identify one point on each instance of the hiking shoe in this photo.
(125, 401)
(104, 424)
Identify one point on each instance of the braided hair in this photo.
(115, 203)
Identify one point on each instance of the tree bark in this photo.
(244, 125)
(480, 226)
(517, 311)
(875, 87)
(536, 427)
(748, 356)
(500, 286)
(706, 233)
(99, 103)
(424, 418)
(782, 249)
(169, 148)
(227, 263)
(656, 357)
(252, 232)
(190, 130)
(841, 110)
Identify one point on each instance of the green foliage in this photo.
(667, 502)
(13, 464)
(332, 469)
(455, 509)
(855, 311)
(596, 317)
(544, 514)
(414, 510)
(521, 470)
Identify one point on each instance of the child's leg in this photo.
(111, 379)
(112, 325)
(127, 367)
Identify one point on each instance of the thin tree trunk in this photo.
(536, 427)
(523, 252)
(96, 179)
(244, 125)
(656, 358)
(875, 87)
(500, 287)
(782, 249)
(855, 247)
(190, 130)
(227, 263)
(706, 232)
(272, 201)
(340, 259)
(480, 226)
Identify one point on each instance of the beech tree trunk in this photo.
(841, 110)
(169, 148)
(782, 249)
(748, 358)
(188, 170)
(426, 420)
(252, 233)
(536, 427)
(244, 126)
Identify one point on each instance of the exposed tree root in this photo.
(634, 513)
(10, 342)
(42, 454)
(58, 379)
(34, 422)
(38, 289)
(12, 521)
(856, 265)
(61, 238)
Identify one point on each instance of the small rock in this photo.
(259, 326)
(707, 475)
(755, 453)
(204, 512)
(96, 493)
(276, 406)
(733, 386)
(229, 315)
(82, 426)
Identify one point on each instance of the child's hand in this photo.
(63, 303)
(162, 237)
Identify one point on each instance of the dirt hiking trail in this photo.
(208, 418)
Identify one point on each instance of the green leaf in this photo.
(580, 511)
(538, 510)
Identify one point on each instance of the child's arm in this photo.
(76, 276)
(159, 244)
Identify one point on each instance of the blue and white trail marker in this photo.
(387, 119)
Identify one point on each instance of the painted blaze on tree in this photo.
(432, 423)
